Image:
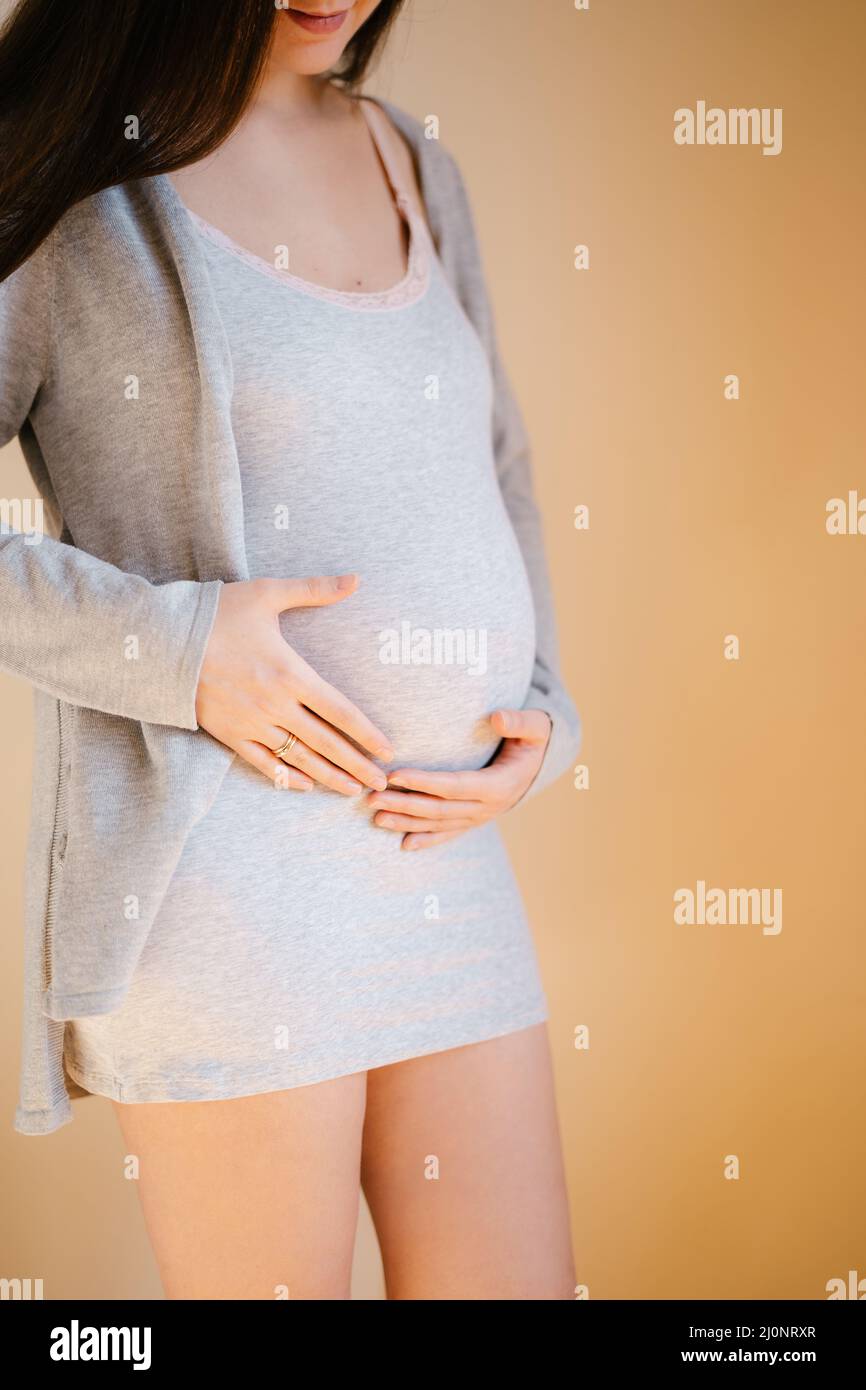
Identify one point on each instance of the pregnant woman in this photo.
(292, 650)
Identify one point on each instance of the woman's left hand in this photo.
(439, 806)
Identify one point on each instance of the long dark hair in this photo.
(73, 73)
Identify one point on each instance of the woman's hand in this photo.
(439, 806)
(254, 689)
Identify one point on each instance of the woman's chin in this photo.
(305, 51)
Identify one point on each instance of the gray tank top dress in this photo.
(297, 942)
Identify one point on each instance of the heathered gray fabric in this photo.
(147, 498)
(297, 941)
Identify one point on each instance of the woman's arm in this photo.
(93, 635)
(547, 692)
(514, 470)
(193, 655)
(71, 623)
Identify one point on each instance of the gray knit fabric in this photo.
(297, 942)
(117, 370)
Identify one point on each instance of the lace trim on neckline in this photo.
(406, 291)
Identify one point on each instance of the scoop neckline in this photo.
(408, 289)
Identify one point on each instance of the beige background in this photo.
(707, 518)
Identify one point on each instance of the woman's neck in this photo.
(290, 95)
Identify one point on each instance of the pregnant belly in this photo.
(427, 650)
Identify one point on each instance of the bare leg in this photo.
(241, 1197)
(494, 1223)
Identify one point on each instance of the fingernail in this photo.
(386, 755)
(380, 783)
(353, 788)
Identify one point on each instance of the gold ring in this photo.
(286, 747)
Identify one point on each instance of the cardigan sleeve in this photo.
(72, 624)
(547, 691)
(512, 453)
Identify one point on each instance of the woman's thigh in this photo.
(462, 1169)
(244, 1198)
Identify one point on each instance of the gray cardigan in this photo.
(144, 498)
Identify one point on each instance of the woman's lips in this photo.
(318, 23)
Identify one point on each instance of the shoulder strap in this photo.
(375, 118)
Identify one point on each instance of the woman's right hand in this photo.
(254, 689)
